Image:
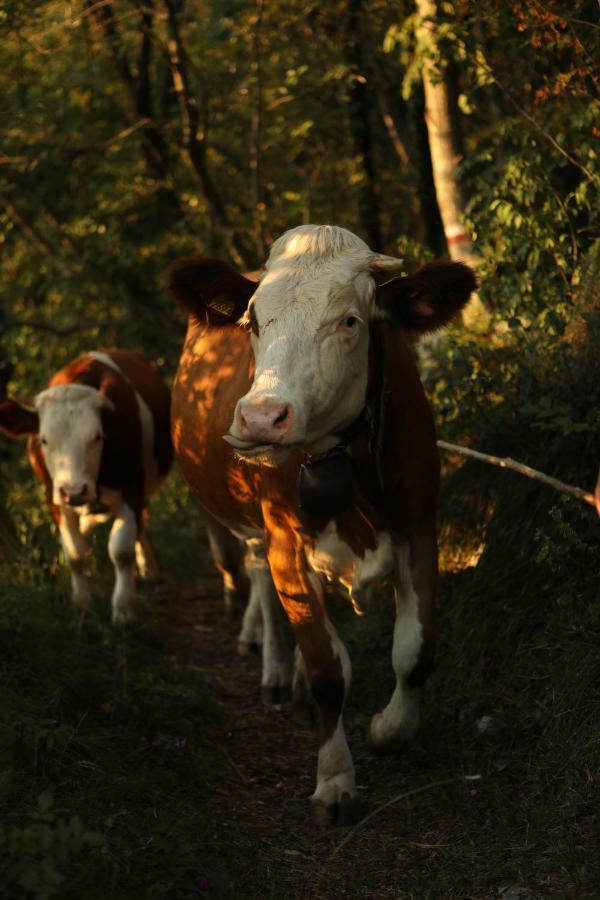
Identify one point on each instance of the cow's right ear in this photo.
(18, 419)
(210, 290)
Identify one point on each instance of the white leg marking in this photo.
(145, 560)
(251, 632)
(335, 770)
(398, 722)
(121, 549)
(276, 650)
(300, 687)
(75, 550)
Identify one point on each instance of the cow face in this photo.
(309, 318)
(67, 420)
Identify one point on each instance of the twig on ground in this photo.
(506, 462)
(375, 812)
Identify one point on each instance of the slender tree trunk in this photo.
(359, 110)
(441, 129)
(258, 198)
(431, 221)
(194, 137)
(139, 94)
(444, 143)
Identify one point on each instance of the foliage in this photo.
(109, 172)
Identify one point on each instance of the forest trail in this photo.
(260, 794)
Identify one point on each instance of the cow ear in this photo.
(18, 419)
(427, 299)
(210, 290)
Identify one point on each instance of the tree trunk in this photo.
(440, 120)
(359, 111)
(444, 143)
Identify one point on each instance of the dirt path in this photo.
(269, 765)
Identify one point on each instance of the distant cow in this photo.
(99, 440)
(308, 426)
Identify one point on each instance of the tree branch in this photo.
(193, 136)
(506, 463)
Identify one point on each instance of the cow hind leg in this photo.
(416, 571)
(276, 650)
(121, 549)
(228, 556)
(145, 560)
(76, 551)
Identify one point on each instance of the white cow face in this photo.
(309, 317)
(310, 335)
(71, 437)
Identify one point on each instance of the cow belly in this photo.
(335, 559)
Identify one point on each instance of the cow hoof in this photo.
(122, 617)
(391, 738)
(244, 648)
(344, 812)
(276, 695)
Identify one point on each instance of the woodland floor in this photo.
(158, 739)
(482, 834)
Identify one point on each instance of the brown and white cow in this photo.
(308, 426)
(99, 440)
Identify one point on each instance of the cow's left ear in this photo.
(427, 299)
(210, 290)
(18, 419)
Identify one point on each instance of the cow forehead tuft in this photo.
(69, 394)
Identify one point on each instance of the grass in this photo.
(108, 761)
(105, 762)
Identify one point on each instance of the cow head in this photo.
(68, 424)
(309, 316)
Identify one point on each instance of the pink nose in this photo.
(264, 420)
(74, 496)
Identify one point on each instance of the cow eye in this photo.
(97, 438)
(349, 323)
(253, 320)
(44, 442)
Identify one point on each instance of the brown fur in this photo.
(121, 466)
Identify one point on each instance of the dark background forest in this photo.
(138, 131)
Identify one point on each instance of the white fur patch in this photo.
(70, 434)
(399, 720)
(317, 278)
(335, 559)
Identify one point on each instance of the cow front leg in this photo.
(228, 556)
(329, 672)
(275, 685)
(415, 579)
(121, 549)
(76, 551)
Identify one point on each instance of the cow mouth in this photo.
(249, 448)
(271, 455)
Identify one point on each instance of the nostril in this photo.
(282, 417)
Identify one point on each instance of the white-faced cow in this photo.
(99, 440)
(308, 426)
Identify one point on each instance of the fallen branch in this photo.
(375, 812)
(506, 463)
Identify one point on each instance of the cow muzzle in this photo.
(77, 495)
(259, 423)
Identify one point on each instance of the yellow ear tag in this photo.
(222, 306)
